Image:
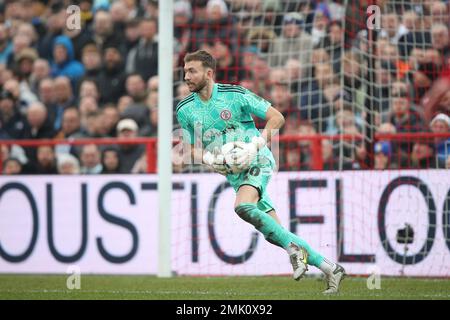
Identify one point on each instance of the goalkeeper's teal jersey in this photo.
(225, 117)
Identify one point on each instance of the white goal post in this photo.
(165, 98)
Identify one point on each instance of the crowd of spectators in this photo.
(311, 59)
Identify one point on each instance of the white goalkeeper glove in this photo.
(248, 152)
(216, 161)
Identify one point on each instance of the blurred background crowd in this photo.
(315, 61)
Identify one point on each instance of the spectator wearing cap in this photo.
(111, 80)
(90, 160)
(68, 164)
(143, 58)
(24, 63)
(383, 156)
(64, 63)
(217, 10)
(294, 42)
(129, 153)
(441, 124)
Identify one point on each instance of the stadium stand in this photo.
(359, 98)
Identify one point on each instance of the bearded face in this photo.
(195, 76)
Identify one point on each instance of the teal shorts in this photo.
(258, 176)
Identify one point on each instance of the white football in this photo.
(229, 151)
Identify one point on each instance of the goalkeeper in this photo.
(221, 114)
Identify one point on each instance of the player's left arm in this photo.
(275, 121)
(262, 108)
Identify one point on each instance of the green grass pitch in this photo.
(217, 288)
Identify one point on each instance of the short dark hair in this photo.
(132, 23)
(203, 56)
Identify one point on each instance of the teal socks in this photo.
(275, 233)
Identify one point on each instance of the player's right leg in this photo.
(247, 209)
(298, 256)
(300, 252)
